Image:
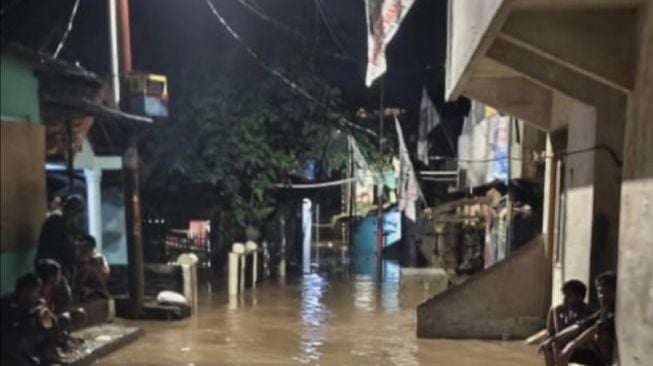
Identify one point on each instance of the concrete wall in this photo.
(635, 287)
(469, 21)
(22, 211)
(19, 100)
(503, 300)
(578, 200)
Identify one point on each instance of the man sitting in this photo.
(66, 317)
(26, 325)
(591, 340)
(92, 271)
(572, 309)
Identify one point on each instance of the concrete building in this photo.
(581, 70)
(41, 98)
(23, 176)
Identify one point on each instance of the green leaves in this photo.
(240, 136)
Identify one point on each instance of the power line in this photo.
(283, 27)
(320, 7)
(69, 27)
(254, 55)
(607, 149)
(299, 90)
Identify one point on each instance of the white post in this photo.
(306, 226)
(282, 250)
(266, 261)
(94, 204)
(251, 248)
(317, 235)
(233, 273)
(241, 273)
(113, 48)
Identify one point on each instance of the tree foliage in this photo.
(240, 136)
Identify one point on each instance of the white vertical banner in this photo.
(428, 120)
(409, 190)
(383, 20)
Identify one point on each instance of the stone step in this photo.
(100, 340)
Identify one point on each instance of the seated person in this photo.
(591, 340)
(66, 317)
(26, 325)
(572, 309)
(92, 271)
(55, 290)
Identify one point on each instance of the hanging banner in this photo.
(428, 120)
(499, 167)
(409, 191)
(367, 180)
(383, 20)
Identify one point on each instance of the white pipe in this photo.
(306, 239)
(113, 48)
(282, 251)
(317, 235)
(94, 203)
(234, 259)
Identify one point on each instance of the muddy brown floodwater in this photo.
(312, 320)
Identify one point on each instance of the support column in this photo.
(94, 203)
(635, 275)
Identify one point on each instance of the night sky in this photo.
(169, 36)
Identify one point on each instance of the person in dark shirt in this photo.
(65, 316)
(58, 235)
(25, 324)
(591, 340)
(92, 271)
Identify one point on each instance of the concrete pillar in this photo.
(94, 204)
(578, 194)
(635, 270)
(307, 224)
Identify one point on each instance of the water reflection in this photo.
(364, 319)
(314, 316)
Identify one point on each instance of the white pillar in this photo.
(94, 204)
(306, 228)
(234, 273)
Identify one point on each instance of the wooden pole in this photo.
(135, 266)
(70, 157)
(379, 220)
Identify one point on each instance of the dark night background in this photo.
(173, 36)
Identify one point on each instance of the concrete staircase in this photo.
(504, 301)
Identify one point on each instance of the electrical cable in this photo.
(320, 7)
(255, 56)
(292, 85)
(610, 152)
(278, 24)
(69, 27)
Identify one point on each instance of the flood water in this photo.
(312, 320)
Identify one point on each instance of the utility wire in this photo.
(610, 152)
(320, 7)
(292, 85)
(69, 27)
(255, 56)
(283, 27)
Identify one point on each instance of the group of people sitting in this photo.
(578, 335)
(38, 318)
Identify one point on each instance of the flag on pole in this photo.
(409, 190)
(428, 120)
(383, 20)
